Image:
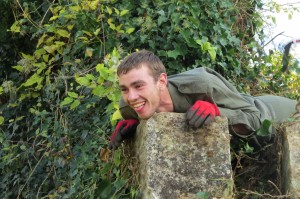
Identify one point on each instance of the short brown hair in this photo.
(137, 59)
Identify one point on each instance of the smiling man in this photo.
(201, 93)
(144, 92)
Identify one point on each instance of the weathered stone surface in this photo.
(291, 159)
(176, 161)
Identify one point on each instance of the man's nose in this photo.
(132, 95)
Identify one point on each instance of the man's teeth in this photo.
(138, 105)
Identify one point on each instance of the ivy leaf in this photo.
(111, 24)
(118, 184)
(46, 58)
(106, 185)
(1, 120)
(223, 42)
(89, 52)
(99, 66)
(116, 115)
(162, 18)
(75, 104)
(53, 18)
(130, 30)
(117, 11)
(186, 34)
(99, 91)
(18, 68)
(248, 148)
(234, 40)
(50, 49)
(83, 81)
(206, 46)
(35, 78)
(93, 5)
(212, 53)
(26, 56)
(66, 101)
(123, 12)
(109, 10)
(173, 53)
(63, 33)
(104, 71)
(90, 77)
(38, 53)
(15, 27)
(23, 147)
(161, 13)
(73, 94)
(264, 129)
(117, 158)
(96, 32)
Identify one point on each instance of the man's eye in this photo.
(124, 90)
(138, 86)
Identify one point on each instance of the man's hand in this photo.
(201, 112)
(125, 129)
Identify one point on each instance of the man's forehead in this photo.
(130, 79)
(136, 72)
(139, 81)
(134, 77)
(140, 67)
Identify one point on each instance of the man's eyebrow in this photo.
(132, 83)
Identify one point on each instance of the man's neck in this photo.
(166, 103)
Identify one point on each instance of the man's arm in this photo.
(243, 116)
(207, 85)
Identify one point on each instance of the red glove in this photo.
(201, 112)
(125, 129)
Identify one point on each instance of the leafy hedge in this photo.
(59, 92)
(59, 104)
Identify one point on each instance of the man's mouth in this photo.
(138, 106)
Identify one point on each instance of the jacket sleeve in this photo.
(237, 108)
(206, 84)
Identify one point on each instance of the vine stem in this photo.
(37, 195)
(103, 33)
(269, 181)
(32, 173)
(25, 15)
(46, 13)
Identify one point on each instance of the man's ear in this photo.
(163, 80)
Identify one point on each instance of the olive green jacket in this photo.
(206, 84)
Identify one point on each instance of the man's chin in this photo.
(145, 117)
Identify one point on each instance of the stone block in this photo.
(291, 159)
(176, 161)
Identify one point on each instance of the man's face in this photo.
(140, 91)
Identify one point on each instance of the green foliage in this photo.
(58, 112)
(59, 94)
(265, 128)
(188, 34)
(266, 77)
